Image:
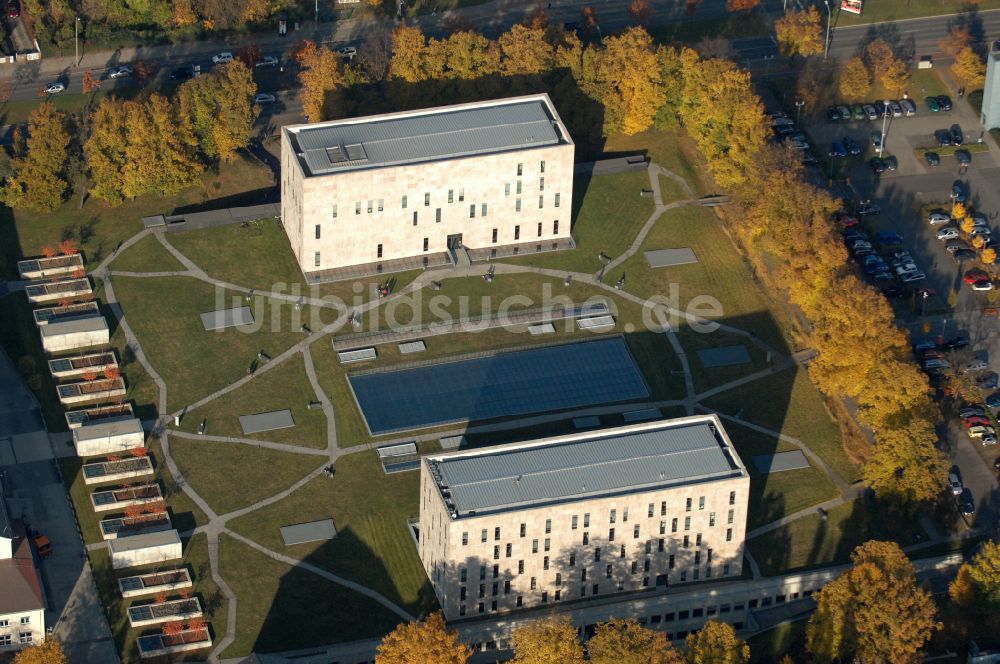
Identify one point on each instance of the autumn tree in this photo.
(989, 256)
(408, 54)
(745, 6)
(627, 642)
(421, 642)
(143, 72)
(855, 80)
(626, 78)
(872, 612)
(958, 39)
(104, 150)
(978, 581)
(90, 84)
(249, 54)
(799, 32)
(218, 109)
(321, 79)
(37, 179)
(896, 76)
(160, 154)
(905, 468)
(969, 68)
(47, 652)
(589, 18)
(640, 11)
(551, 640)
(716, 643)
(68, 247)
(525, 51)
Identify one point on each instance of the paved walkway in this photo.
(217, 523)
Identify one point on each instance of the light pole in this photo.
(767, 63)
(76, 39)
(885, 116)
(798, 113)
(316, 13)
(826, 48)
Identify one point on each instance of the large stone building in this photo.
(390, 192)
(581, 516)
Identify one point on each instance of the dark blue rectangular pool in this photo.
(508, 383)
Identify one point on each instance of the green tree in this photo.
(799, 32)
(716, 643)
(422, 642)
(37, 179)
(873, 612)
(627, 642)
(550, 640)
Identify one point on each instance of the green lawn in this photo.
(165, 316)
(673, 150)
(373, 544)
(720, 276)
(281, 607)
(17, 111)
(879, 11)
(213, 602)
(813, 542)
(788, 402)
(775, 495)
(230, 476)
(708, 377)
(671, 190)
(285, 386)
(607, 214)
(98, 228)
(146, 255)
(184, 514)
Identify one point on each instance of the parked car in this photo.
(267, 61)
(932, 104)
(869, 208)
(857, 112)
(984, 285)
(119, 72)
(845, 112)
(957, 138)
(955, 484)
(958, 192)
(993, 401)
(13, 9)
(182, 73)
(932, 158)
(837, 149)
(974, 275)
(955, 245)
(977, 421)
(909, 108)
(980, 431)
(944, 102)
(851, 145)
(897, 110)
(947, 233)
(925, 344)
(937, 218)
(264, 98)
(877, 140)
(965, 255)
(964, 157)
(976, 365)
(891, 163)
(870, 112)
(936, 364)
(988, 440)
(877, 165)
(347, 52)
(961, 340)
(222, 58)
(913, 277)
(966, 504)
(943, 137)
(832, 114)
(988, 382)
(971, 411)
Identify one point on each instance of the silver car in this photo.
(909, 108)
(947, 233)
(897, 110)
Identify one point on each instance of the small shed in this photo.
(113, 437)
(145, 549)
(73, 334)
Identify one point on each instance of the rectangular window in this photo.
(556, 203)
(379, 251)
(506, 587)
(541, 166)
(461, 195)
(555, 227)
(25, 620)
(518, 187)
(548, 526)
(316, 259)
(5, 640)
(482, 589)
(381, 204)
(534, 583)
(635, 532)
(697, 539)
(711, 518)
(472, 211)
(541, 184)
(482, 573)
(494, 236)
(663, 527)
(687, 505)
(517, 205)
(541, 202)
(465, 539)
(506, 189)
(451, 195)
(649, 510)
(427, 199)
(517, 233)
(697, 557)
(496, 571)
(729, 534)
(414, 217)
(573, 522)
(586, 519)
(334, 212)
(534, 546)
(597, 554)
(611, 535)
(483, 534)
(687, 541)
(508, 550)
(596, 589)
(495, 589)
(572, 560)
(649, 547)
(437, 215)
(725, 569)
(496, 534)
(670, 562)
(317, 231)
(687, 523)
(545, 562)
(729, 519)
(4, 623)
(558, 579)
(520, 567)
(586, 538)
(547, 544)
(701, 502)
(357, 208)
(625, 515)
(614, 514)
(520, 600)
(496, 553)
(673, 525)
(25, 637)
(607, 572)
(404, 202)
(520, 169)
(661, 544)
(483, 211)
(523, 530)
(370, 205)
(426, 241)
(539, 229)
(732, 497)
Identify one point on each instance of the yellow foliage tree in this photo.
(878, 56)
(716, 643)
(969, 68)
(799, 32)
(321, 78)
(905, 468)
(984, 573)
(854, 81)
(408, 54)
(895, 76)
(989, 255)
(551, 640)
(958, 211)
(628, 82)
(422, 642)
(628, 642)
(37, 180)
(873, 612)
(47, 652)
(978, 242)
(961, 590)
(967, 224)
(525, 51)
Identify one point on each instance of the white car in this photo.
(347, 52)
(936, 218)
(267, 61)
(264, 98)
(954, 484)
(948, 233)
(222, 58)
(907, 268)
(936, 364)
(988, 439)
(119, 72)
(911, 277)
(53, 88)
(980, 431)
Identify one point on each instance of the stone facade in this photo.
(574, 549)
(367, 216)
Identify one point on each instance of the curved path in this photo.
(217, 523)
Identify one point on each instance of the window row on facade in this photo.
(378, 205)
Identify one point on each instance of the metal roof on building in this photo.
(422, 136)
(144, 541)
(635, 457)
(94, 323)
(106, 429)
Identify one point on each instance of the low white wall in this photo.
(74, 340)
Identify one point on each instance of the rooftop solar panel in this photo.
(511, 383)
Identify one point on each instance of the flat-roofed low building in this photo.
(145, 549)
(581, 516)
(397, 191)
(112, 436)
(73, 334)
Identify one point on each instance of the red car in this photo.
(977, 420)
(975, 276)
(847, 221)
(13, 10)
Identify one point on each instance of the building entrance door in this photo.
(455, 241)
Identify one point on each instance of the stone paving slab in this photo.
(724, 356)
(775, 463)
(670, 257)
(313, 531)
(276, 419)
(220, 320)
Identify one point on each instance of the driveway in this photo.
(33, 491)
